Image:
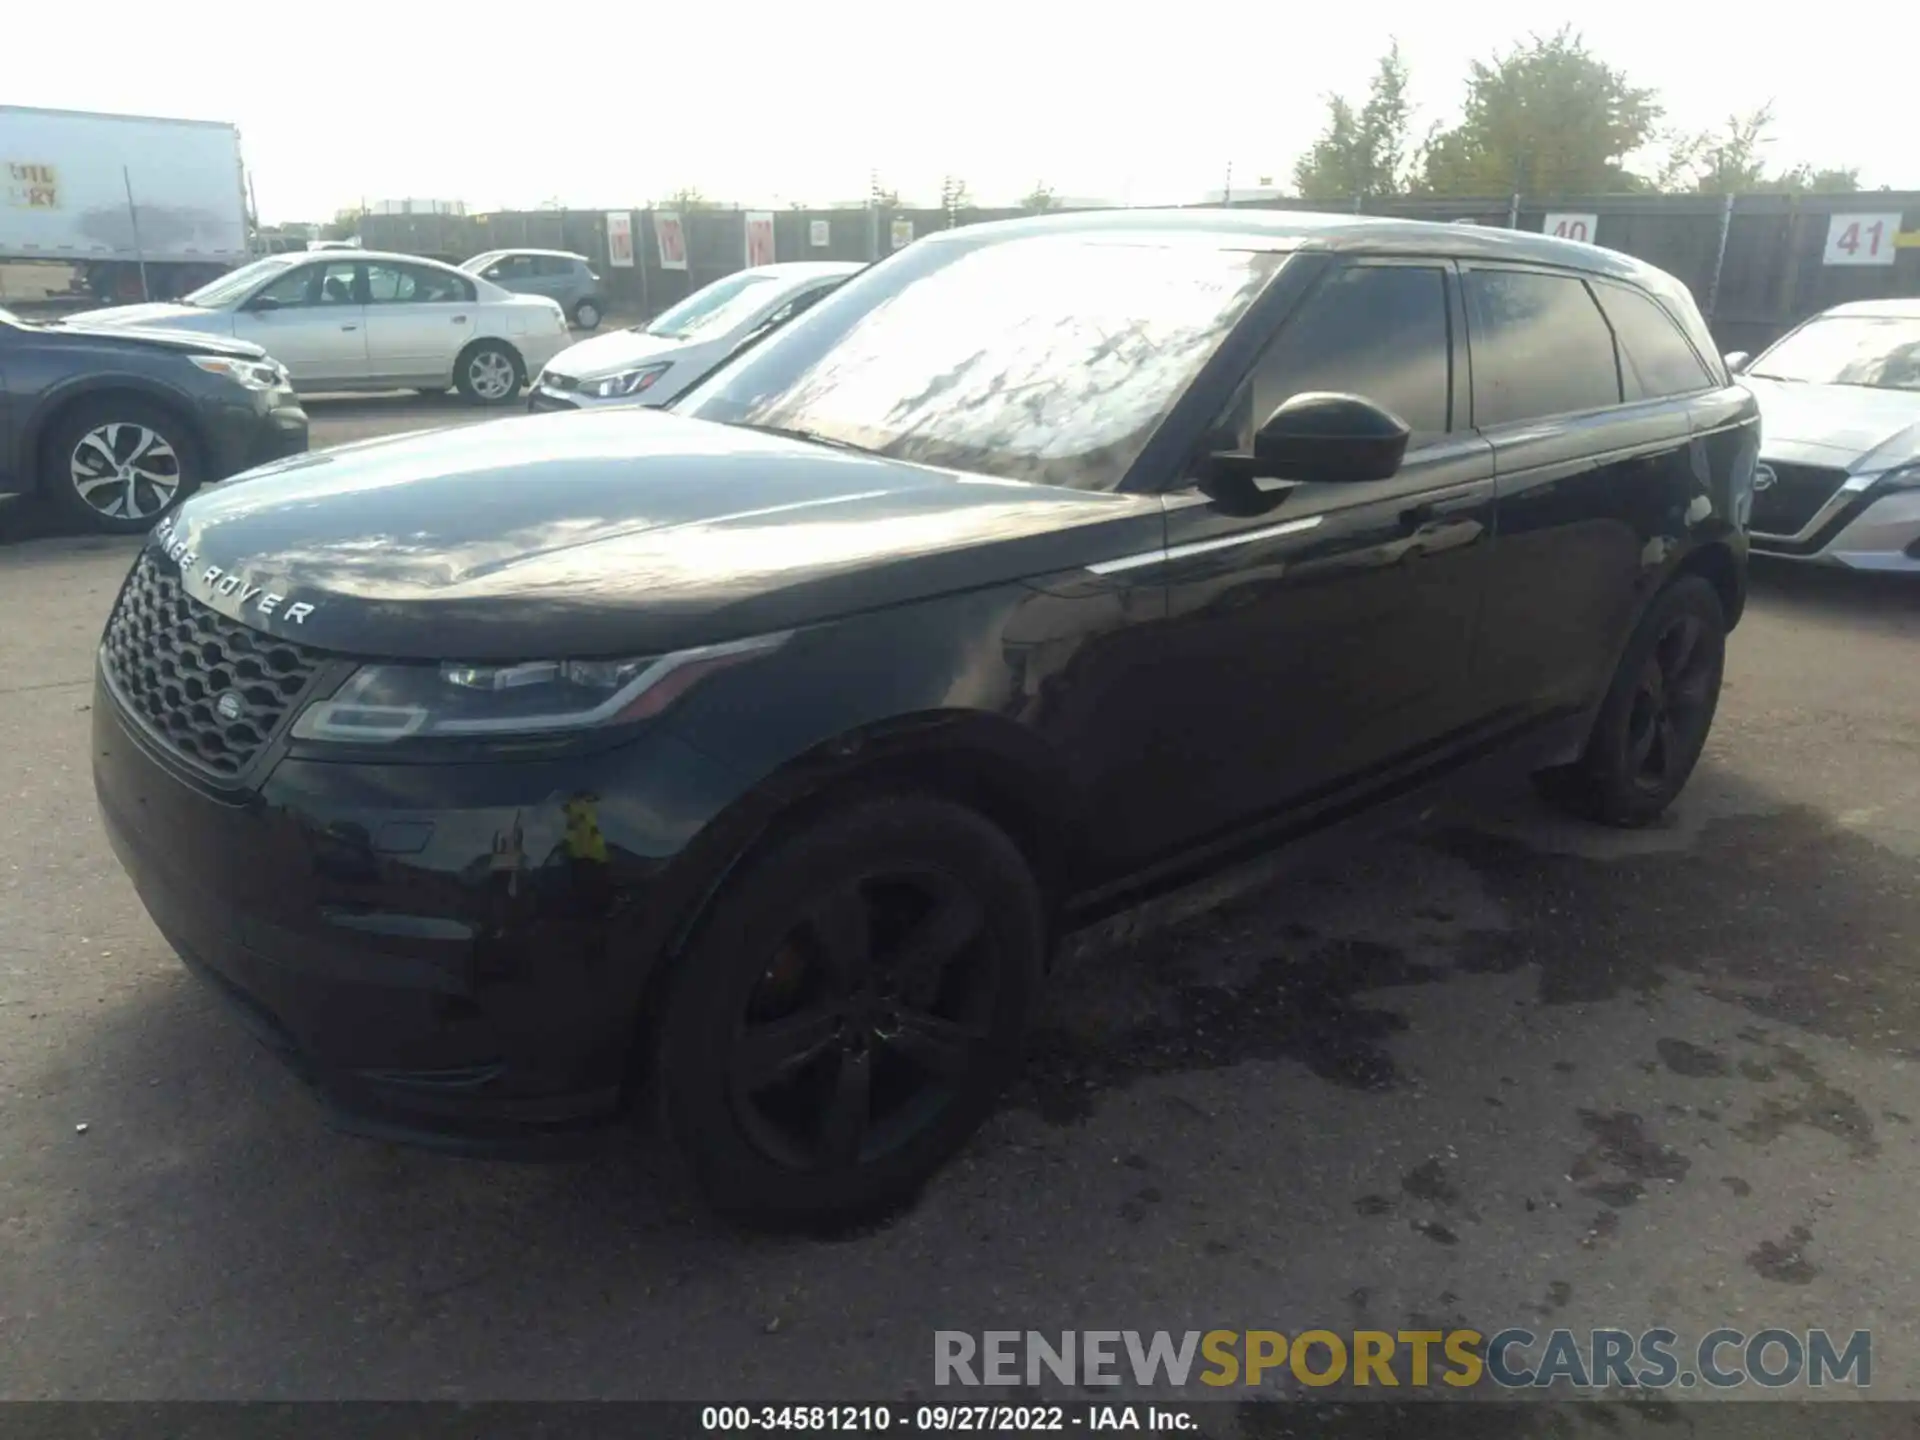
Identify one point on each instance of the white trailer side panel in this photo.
(66, 175)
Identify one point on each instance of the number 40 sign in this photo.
(1861, 239)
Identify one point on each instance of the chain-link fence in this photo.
(1757, 264)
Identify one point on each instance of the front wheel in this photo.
(117, 464)
(488, 373)
(848, 1011)
(1654, 721)
(586, 315)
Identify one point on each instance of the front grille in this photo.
(172, 659)
(1795, 497)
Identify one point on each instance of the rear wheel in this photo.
(117, 464)
(586, 314)
(488, 373)
(1654, 721)
(849, 1010)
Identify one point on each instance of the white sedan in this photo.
(363, 320)
(655, 363)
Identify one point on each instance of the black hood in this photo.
(186, 342)
(612, 532)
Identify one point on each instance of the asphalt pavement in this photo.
(1507, 1070)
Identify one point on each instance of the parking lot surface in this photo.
(1507, 1070)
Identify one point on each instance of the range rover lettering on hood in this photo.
(227, 583)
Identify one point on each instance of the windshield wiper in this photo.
(811, 437)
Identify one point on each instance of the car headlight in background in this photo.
(627, 382)
(451, 701)
(254, 374)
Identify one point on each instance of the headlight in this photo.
(254, 374)
(450, 701)
(627, 382)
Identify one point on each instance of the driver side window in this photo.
(1377, 331)
(295, 287)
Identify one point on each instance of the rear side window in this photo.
(556, 265)
(1375, 331)
(1540, 347)
(1655, 358)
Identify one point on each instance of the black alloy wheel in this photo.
(850, 1010)
(1653, 724)
(1672, 705)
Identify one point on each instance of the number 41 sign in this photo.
(1861, 239)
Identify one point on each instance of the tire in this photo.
(789, 1083)
(587, 315)
(489, 372)
(116, 464)
(1654, 721)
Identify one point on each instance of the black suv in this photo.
(755, 753)
(115, 427)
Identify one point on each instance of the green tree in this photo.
(1041, 197)
(1363, 151)
(1806, 180)
(1731, 161)
(1547, 118)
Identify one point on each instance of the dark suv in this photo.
(754, 753)
(113, 426)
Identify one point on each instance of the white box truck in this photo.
(109, 193)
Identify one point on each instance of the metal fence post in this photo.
(1513, 212)
(133, 217)
(1719, 258)
(1788, 292)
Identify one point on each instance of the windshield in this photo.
(237, 283)
(714, 309)
(1050, 360)
(1878, 351)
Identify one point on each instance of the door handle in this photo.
(459, 320)
(1415, 517)
(349, 327)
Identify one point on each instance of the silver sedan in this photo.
(364, 320)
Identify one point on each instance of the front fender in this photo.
(53, 400)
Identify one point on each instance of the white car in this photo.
(1839, 475)
(363, 320)
(651, 364)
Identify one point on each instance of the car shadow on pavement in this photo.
(1862, 596)
(1483, 1075)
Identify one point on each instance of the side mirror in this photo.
(261, 302)
(1737, 361)
(1329, 438)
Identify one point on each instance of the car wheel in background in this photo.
(1654, 721)
(488, 373)
(586, 315)
(848, 1010)
(116, 464)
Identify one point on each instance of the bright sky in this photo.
(753, 101)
